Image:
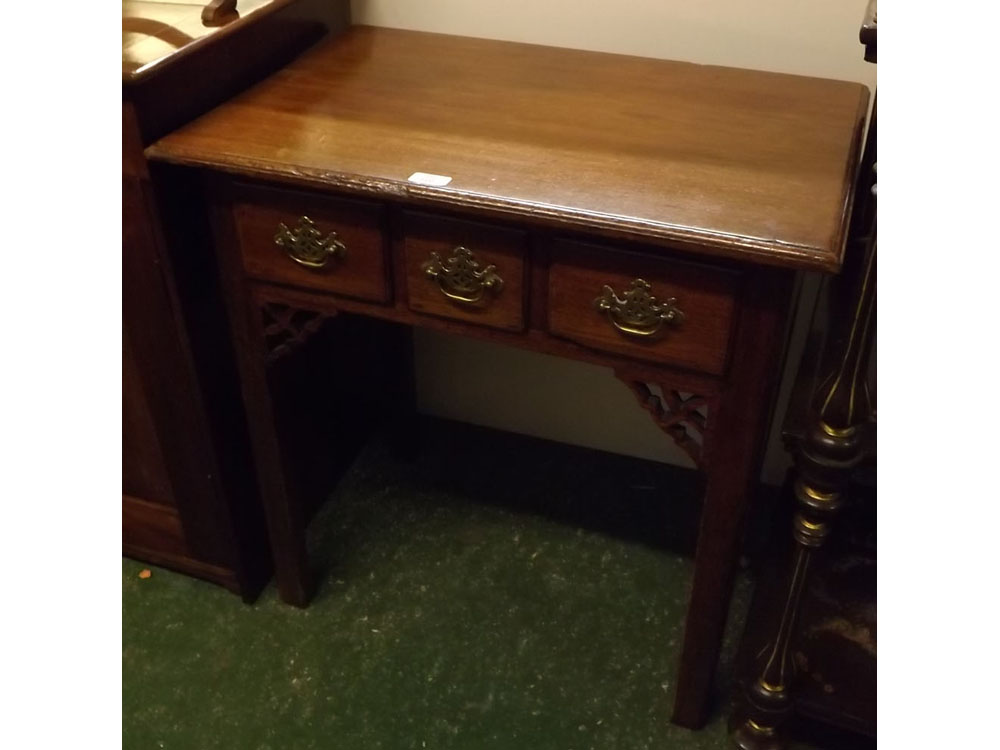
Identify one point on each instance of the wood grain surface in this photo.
(733, 162)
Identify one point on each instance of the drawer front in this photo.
(315, 241)
(682, 315)
(465, 270)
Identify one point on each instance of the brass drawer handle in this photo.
(638, 313)
(461, 278)
(306, 245)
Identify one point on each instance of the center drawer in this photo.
(319, 242)
(465, 270)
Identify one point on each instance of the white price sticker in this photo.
(432, 180)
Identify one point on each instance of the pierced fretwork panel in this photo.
(683, 416)
(286, 328)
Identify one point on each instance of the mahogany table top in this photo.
(734, 163)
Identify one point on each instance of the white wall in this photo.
(807, 37)
(568, 401)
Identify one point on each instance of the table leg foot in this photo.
(715, 567)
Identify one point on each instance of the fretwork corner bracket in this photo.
(286, 328)
(683, 416)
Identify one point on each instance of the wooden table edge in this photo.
(752, 250)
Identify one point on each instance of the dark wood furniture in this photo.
(809, 650)
(187, 500)
(219, 12)
(646, 215)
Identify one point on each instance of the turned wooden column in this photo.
(829, 451)
(826, 458)
(824, 462)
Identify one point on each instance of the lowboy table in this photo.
(642, 214)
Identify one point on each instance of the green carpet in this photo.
(497, 592)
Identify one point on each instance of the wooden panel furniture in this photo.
(646, 215)
(187, 501)
(814, 617)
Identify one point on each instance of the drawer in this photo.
(465, 270)
(640, 306)
(315, 241)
